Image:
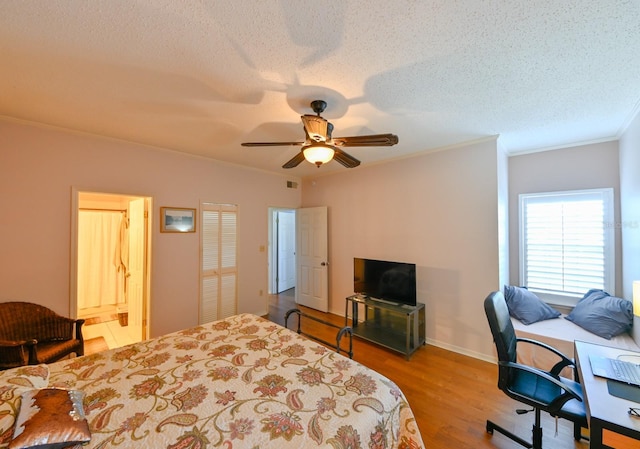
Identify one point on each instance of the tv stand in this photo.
(381, 300)
(400, 328)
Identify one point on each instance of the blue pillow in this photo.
(602, 314)
(526, 306)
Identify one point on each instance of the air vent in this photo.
(292, 185)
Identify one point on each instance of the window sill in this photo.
(566, 301)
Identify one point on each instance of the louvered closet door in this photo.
(218, 286)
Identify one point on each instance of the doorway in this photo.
(282, 250)
(298, 255)
(110, 275)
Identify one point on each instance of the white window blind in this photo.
(218, 276)
(566, 242)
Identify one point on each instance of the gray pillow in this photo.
(602, 314)
(526, 306)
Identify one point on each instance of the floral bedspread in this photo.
(242, 382)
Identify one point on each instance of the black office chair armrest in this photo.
(559, 401)
(564, 360)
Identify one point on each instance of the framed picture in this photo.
(177, 219)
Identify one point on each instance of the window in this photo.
(218, 275)
(567, 243)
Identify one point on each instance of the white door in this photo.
(312, 271)
(135, 281)
(218, 267)
(286, 248)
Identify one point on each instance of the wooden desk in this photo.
(605, 411)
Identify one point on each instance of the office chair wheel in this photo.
(491, 426)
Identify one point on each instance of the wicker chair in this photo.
(32, 334)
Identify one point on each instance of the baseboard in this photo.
(463, 351)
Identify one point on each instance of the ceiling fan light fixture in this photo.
(318, 153)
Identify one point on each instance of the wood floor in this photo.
(451, 395)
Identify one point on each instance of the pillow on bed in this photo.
(50, 418)
(602, 314)
(13, 383)
(526, 306)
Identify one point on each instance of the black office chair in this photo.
(542, 390)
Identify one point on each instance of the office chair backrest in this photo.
(504, 336)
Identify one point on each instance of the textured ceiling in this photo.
(203, 76)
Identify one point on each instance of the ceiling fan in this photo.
(319, 147)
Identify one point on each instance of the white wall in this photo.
(630, 205)
(438, 210)
(582, 167)
(630, 212)
(38, 168)
(503, 215)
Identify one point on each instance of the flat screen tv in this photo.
(390, 281)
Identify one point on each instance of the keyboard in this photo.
(625, 371)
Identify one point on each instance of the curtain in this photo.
(102, 248)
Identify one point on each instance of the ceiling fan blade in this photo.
(270, 144)
(316, 127)
(345, 159)
(375, 140)
(294, 161)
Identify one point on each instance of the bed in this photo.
(240, 382)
